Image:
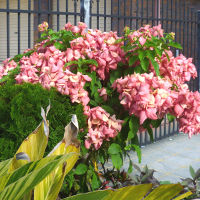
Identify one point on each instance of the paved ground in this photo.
(171, 157)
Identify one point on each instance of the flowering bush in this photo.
(125, 84)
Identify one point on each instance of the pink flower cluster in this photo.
(187, 110)
(177, 69)
(47, 69)
(101, 126)
(145, 33)
(99, 46)
(145, 95)
(7, 66)
(43, 27)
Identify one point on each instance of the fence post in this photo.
(198, 48)
(85, 12)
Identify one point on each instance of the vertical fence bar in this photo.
(125, 13)
(111, 14)
(49, 8)
(142, 12)
(153, 12)
(105, 15)
(39, 15)
(198, 50)
(184, 6)
(147, 15)
(131, 11)
(58, 16)
(67, 9)
(118, 14)
(91, 14)
(137, 15)
(82, 11)
(167, 16)
(18, 27)
(97, 14)
(29, 24)
(8, 28)
(75, 11)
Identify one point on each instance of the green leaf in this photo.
(156, 123)
(156, 67)
(145, 64)
(59, 46)
(24, 179)
(192, 172)
(138, 69)
(4, 166)
(151, 56)
(165, 192)
(141, 54)
(117, 160)
(175, 45)
(197, 174)
(170, 117)
(108, 109)
(95, 182)
(81, 169)
(130, 168)
(132, 60)
(134, 127)
(138, 151)
(114, 149)
(135, 192)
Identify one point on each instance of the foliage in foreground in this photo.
(123, 90)
(28, 171)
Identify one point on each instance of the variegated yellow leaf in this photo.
(33, 147)
(49, 188)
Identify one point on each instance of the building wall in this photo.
(14, 29)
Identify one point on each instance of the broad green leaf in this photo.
(95, 182)
(134, 127)
(138, 151)
(150, 132)
(175, 45)
(49, 188)
(59, 46)
(197, 174)
(145, 64)
(141, 54)
(97, 195)
(130, 168)
(165, 192)
(33, 147)
(156, 123)
(136, 192)
(156, 67)
(151, 56)
(183, 196)
(132, 60)
(23, 179)
(192, 172)
(4, 166)
(170, 117)
(114, 149)
(117, 160)
(81, 169)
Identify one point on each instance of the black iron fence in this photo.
(19, 20)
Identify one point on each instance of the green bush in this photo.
(20, 107)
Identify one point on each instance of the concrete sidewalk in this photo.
(171, 157)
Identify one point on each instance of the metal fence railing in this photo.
(20, 18)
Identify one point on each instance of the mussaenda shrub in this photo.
(125, 84)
